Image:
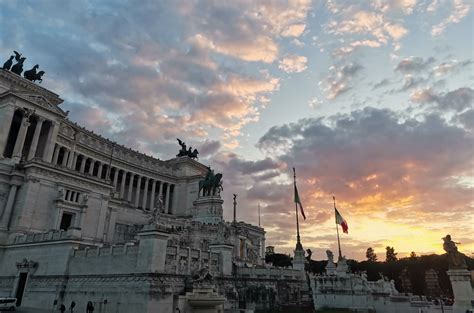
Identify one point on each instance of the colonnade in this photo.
(28, 136)
(139, 190)
(31, 136)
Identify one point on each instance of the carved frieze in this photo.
(26, 264)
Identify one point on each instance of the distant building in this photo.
(405, 281)
(270, 250)
(432, 283)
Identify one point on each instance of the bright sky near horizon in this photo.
(370, 101)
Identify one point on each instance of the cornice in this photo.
(18, 81)
(38, 100)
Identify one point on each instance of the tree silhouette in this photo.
(391, 255)
(370, 254)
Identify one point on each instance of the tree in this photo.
(278, 259)
(370, 254)
(413, 255)
(391, 255)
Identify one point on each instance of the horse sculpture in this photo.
(32, 75)
(211, 185)
(193, 154)
(18, 67)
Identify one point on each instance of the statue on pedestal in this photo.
(330, 256)
(211, 185)
(154, 218)
(456, 259)
(202, 276)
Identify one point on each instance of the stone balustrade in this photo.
(186, 260)
(272, 272)
(52, 235)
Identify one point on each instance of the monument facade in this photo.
(85, 219)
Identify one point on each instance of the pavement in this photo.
(30, 310)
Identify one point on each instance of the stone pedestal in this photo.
(330, 268)
(342, 268)
(152, 249)
(203, 299)
(208, 209)
(462, 290)
(299, 259)
(225, 257)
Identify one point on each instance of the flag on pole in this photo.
(341, 221)
(298, 201)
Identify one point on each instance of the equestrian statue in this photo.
(211, 185)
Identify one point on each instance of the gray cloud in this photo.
(377, 151)
(339, 80)
(456, 100)
(414, 65)
(153, 66)
(382, 83)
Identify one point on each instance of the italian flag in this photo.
(298, 201)
(341, 221)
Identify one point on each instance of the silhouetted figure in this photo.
(8, 64)
(73, 305)
(90, 307)
(31, 74)
(62, 308)
(18, 67)
(17, 55)
(38, 76)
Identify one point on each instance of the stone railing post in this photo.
(152, 249)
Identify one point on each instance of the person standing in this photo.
(73, 305)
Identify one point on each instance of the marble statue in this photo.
(202, 276)
(330, 256)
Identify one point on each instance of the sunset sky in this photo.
(370, 101)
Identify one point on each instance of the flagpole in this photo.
(298, 242)
(337, 230)
(259, 215)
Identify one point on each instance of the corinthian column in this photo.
(152, 196)
(34, 142)
(137, 192)
(20, 140)
(130, 187)
(145, 194)
(50, 142)
(122, 184)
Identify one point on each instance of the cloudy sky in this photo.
(371, 101)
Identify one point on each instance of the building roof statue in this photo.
(193, 154)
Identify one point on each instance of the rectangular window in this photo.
(66, 221)
(72, 196)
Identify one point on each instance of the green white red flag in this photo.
(298, 201)
(341, 221)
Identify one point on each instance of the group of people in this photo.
(89, 307)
